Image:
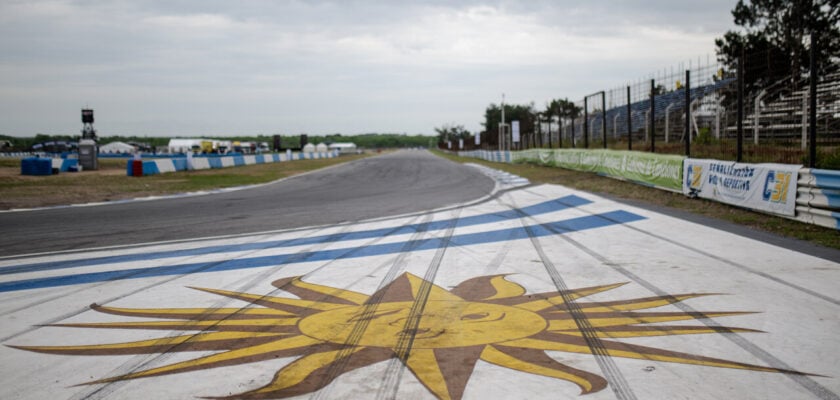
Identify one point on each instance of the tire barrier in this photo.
(161, 166)
(818, 197)
(47, 166)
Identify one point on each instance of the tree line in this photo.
(366, 140)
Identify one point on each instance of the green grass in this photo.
(110, 182)
(658, 198)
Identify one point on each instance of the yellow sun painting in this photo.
(438, 334)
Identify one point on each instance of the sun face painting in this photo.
(437, 334)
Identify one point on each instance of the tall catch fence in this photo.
(759, 110)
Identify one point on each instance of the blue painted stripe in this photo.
(150, 168)
(559, 204)
(238, 161)
(826, 178)
(215, 162)
(502, 235)
(260, 159)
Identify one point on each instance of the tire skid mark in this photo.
(135, 364)
(252, 282)
(608, 367)
(106, 301)
(804, 381)
(396, 367)
(723, 260)
(369, 309)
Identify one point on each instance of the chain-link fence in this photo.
(758, 110)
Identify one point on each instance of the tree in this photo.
(774, 36)
(525, 114)
(453, 132)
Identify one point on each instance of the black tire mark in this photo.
(396, 367)
(804, 381)
(608, 367)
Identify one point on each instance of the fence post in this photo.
(572, 138)
(687, 113)
(629, 122)
(652, 121)
(812, 127)
(559, 129)
(604, 117)
(740, 122)
(585, 123)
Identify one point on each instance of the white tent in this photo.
(344, 147)
(321, 148)
(117, 147)
(309, 148)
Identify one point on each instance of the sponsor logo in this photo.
(776, 187)
(695, 176)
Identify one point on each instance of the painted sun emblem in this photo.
(437, 334)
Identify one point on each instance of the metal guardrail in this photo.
(818, 197)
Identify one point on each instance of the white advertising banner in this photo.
(765, 187)
(460, 143)
(478, 139)
(515, 130)
(448, 144)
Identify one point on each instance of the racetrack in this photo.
(537, 292)
(391, 184)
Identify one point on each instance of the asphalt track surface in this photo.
(386, 185)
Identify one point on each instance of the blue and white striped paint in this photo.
(818, 197)
(160, 166)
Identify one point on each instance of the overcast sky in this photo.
(197, 67)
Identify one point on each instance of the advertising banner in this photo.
(460, 144)
(765, 187)
(478, 139)
(660, 170)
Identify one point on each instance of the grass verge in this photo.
(110, 182)
(651, 197)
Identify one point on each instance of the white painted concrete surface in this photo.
(541, 238)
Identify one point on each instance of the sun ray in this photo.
(537, 362)
(634, 304)
(424, 366)
(660, 330)
(311, 372)
(552, 299)
(197, 342)
(264, 325)
(436, 292)
(456, 364)
(297, 306)
(575, 344)
(279, 348)
(194, 313)
(597, 320)
(311, 291)
(488, 288)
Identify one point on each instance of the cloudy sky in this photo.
(197, 67)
